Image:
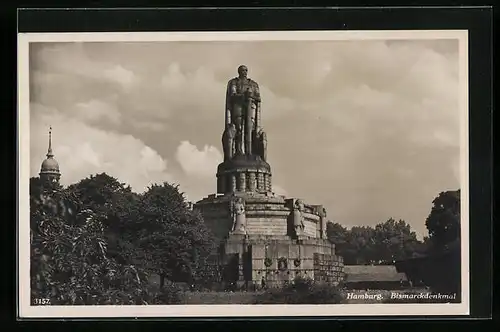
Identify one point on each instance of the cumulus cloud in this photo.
(96, 111)
(120, 75)
(149, 125)
(279, 190)
(82, 150)
(370, 129)
(195, 162)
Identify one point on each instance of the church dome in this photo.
(50, 165)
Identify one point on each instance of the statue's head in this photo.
(299, 205)
(242, 71)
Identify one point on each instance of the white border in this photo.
(28, 311)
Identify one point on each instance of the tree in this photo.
(354, 245)
(174, 240)
(394, 240)
(361, 246)
(337, 234)
(69, 260)
(154, 231)
(35, 187)
(383, 244)
(345, 245)
(118, 209)
(105, 195)
(443, 222)
(203, 243)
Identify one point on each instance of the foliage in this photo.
(361, 245)
(117, 207)
(394, 240)
(386, 242)
(443, 222)
(69, 262)
(105, 195)
(337, 234)
(444, 247)
(97, 242)
(174, 239)
(301, 291)
(170, 293)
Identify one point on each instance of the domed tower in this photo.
(49, 171)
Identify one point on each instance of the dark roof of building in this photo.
(363, 273)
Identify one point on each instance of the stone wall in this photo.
(328, 268)
(281, 259)
(269, 250)
(216, 215)
(265, 214)
(311, 222)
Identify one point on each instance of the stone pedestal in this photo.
(280, 259)
(244, 174)
(268, 249)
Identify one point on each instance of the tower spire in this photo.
(49, 151)
(49, 172)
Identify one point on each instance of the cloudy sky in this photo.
(370, 129)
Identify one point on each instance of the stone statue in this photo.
(228, 141)
(243, 109)
(238, 214)
(323, 222)
(298, 218)
(260, 144)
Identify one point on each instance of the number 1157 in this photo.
(42, 301)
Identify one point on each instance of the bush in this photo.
(301, 291)
(169, 294)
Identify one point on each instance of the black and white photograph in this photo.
(231, 173)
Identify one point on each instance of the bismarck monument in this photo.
(263, 237)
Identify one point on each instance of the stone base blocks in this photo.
(269, 251)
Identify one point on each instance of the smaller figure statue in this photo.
(238, 214)
(260, 144)
(228, 141)
(323, 222)
(298, 218)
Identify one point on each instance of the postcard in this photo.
(243, 174)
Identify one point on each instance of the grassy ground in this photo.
(218, 298)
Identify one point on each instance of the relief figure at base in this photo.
(238, 215)
(260, 144)
(298, 218)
